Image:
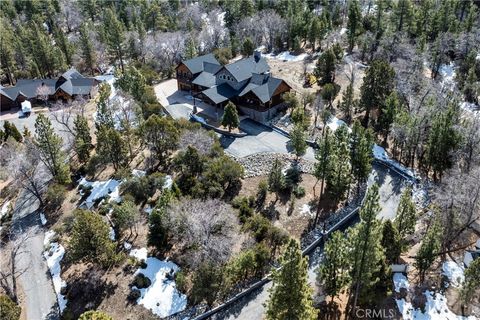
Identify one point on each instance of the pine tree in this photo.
(332, 274)
(190, 48)
(471, 282)
(90, 239)
(403, 14)
(298, 140)
(246, 8)
(391, 242)
(114, 36)
(323, 166)
(276, 179)
(50, 147)
(83, 139)
(7, 58)
(64, 44)
(387, 114)
(291, 295)
(325, 68)
(329, 92)
(87, 50)
(348, 104)
(133, 82)
(247, 47)
(443, 139)
(339, 178)
(161, 135)
(361, 154)
(230, 116)
(111, 147)
(406, 216)
(378, 84)
(158, 231)
(10, 130)
(104, 115)
(367, 252)
(429, 248)
(353, 24)
(125, 216)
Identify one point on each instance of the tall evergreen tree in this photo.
(83, 139)
(429, 248)
(50, 147)
(406, 216)
(114, 36)
(333, 273)
(133, 82)
(353, 24)
(247, 47)
(340, 177)
(391, 242)
(367, 252)
(104, 113)
(323, 165)
(230, 116)
(10, 130)
(348, 104)
(276, 179)
(325, 68)
(378, 84)
(387, 114)
(443, 139)
(111, 147)
(298, 140)
(361, 154)
(471, 283)
(161, 136)
(87, 50)
(291, 295)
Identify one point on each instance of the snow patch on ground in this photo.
(110, 79)
(139, 254)
(54, 256)
(400, 281)
(447, 71)
(101, 189)
(127, 245)
(4, 209)
(286, 56)
(343, 31)
(306, 210)
(334, 123)
(467, 259)
(148, 209)
(436, 307)
(111, 234)
(168, 182)
(453, 272)
(43, 219)
(162, 297)
(380, 154)
(138, 173)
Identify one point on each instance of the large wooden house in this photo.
(69, 85)
(246, 82)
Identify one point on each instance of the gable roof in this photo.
(243, 69)
(220, 93)
(262, 85)
(205, 79)
(196, 65)
(71, 82)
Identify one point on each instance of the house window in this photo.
(228, 77)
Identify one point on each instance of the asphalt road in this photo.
(39, 299)
(391, 186)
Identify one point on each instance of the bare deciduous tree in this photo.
(197, 138)
(203, 230)
(10, 271)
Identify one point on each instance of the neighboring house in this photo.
(68, 86)
(246, 82)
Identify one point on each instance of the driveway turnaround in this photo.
(260, 138)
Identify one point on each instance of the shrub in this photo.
(141, 281)
(259, 226)
(93, 164)
(181, 281)
(54, 197)
(9, 310)
(292, 177)
(94, 315)
(244, 206)
(299, 192)
(134, 295)
(262, 192)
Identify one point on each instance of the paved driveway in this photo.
(260, 138)
(40, 301)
